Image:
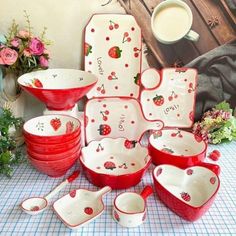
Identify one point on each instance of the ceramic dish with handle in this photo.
(55, 168)
(113, 52)
(176, 147)
(118, 163)
(59, 89)
(116, 117)
(80, 206)
(51, 129)
(189, 192)
(169, 95)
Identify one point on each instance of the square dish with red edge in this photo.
(118, 163)
(189, 192)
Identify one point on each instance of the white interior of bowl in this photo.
(51, 125)
(150, 78)
(130, 203)
(177, 142)
(110, 156)
(57, 79)
(194, 186)
(79, 207)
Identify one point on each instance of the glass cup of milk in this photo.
(171, 21)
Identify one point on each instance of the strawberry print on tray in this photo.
(173, 98)
(112, 52)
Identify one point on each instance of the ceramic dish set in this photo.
(123, 104)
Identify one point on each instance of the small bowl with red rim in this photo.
(118, 163)
(176, 147)
(51, 129)
(188, 192)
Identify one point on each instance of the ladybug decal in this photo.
(185, 196)
(109, 165)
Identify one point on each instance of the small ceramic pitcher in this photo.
(129, 209)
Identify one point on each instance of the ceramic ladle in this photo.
(36, 205)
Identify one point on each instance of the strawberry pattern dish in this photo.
(112, 52)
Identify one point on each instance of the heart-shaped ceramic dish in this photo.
(51, 129)
(118, 163)
(176, 147)
(189, 192)
(59, 89)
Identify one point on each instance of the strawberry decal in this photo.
(159, 171)
(185, 196)
(116, 216)
(109, 165)
(189, 172)
(55, 123)
(35, 208)
(88, 210)
(87, 49)
(158, 100)
(191, 116)
(37, 83)
(104, 129)
(115, 52)
(69, 127)
(73, 193)
(130, 144)
(212, 180)
(137, 79)
(197, 138)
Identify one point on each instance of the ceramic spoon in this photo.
(116, 117)
(36, 205)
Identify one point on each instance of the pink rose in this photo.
(36, 46)
(24, 34)
(8, 56)
(15, 42)
(26, 52)
(43, 62)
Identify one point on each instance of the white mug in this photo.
(171, 21)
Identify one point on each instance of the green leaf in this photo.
(223, 106)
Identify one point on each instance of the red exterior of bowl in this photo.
(59, 99)
(52, 148)
(114, 181)
(159, 158)
(55, 168)
(182, 209)
(54, 157)
(52, 139)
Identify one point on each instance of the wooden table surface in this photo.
(221, 31)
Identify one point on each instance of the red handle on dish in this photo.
(213, 167)
(146, 192)
(73, 176)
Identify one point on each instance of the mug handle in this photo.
(192, 35)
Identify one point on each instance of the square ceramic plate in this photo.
(169, 96)
(112, 52)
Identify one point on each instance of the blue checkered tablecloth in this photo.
(26, 182)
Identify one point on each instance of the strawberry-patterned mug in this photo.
(129, 208)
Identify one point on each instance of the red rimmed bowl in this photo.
(176, 147)
(59, 89)
(53, 157)
(52, 148)
(189, 192)
(55, 168)
(51, 129)
(118, 163)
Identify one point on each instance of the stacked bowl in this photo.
(53, 143)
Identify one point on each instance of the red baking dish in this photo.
(118, 163)
(176, 147)
(187, 192)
